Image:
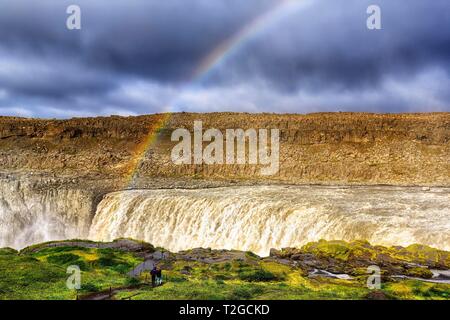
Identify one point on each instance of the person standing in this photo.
(158, 277)
(153, 273)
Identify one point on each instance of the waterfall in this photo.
(31, 213)
(257, 218)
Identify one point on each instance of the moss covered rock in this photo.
(354, 257)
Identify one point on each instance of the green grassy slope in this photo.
(42, 274)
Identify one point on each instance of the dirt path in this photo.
(149, 262)
(110, 293)
(147, 265)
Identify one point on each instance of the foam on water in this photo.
(258, 218)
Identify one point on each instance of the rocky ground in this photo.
(319, 270)
(353, 258)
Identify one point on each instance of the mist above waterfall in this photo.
(30, 215)
(258, 218)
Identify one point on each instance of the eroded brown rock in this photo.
(329, 148)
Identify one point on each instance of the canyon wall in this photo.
(324, 148)
(54, 173)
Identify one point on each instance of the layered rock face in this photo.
(327, 148)
(54, 173)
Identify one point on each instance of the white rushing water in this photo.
(258, 218)
(29, 215)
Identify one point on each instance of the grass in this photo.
(239, 290)
(344, 251)
(267, 281)
(42, 275)
(224, 281)
(417, 290)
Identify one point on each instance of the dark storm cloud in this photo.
(137, 56)
(327, 44)
(158, 39)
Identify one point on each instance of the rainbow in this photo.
(220, 53)
(278, 10)
(141, 149)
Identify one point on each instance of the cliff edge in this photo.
(323, 148)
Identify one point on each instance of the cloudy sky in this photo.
(146, 56)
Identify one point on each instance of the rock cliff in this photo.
(324, 148)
